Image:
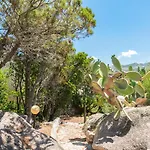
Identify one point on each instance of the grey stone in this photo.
(122, 134)
(17, 134)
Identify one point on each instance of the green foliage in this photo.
(44, 31)
(146, 84)
(132, 75)
(120, 89)
(76, 73)
(105, 107)
(130, 68)
(116, 63)
(7, 102)
(3, 88)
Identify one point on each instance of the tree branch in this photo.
(9, 55)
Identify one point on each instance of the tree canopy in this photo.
(36, 36)
(41, 27)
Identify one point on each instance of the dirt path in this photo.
(70, 135)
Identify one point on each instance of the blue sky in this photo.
(123, 29)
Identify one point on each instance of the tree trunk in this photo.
(17, 97)
(47, 112)
(18, 104)
(28, 100)
(9, 55)
(84, 113)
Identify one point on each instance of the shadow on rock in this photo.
(122, 134)
(110, 128)
(17, 133)
(78, 141)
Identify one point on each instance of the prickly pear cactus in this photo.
(121, 89)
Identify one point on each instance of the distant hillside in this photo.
(135, 66)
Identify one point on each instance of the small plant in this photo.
(121, 89)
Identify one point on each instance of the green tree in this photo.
(76, 74)
(40, 25)
(41, 32)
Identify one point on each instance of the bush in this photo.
(5, 93)
(3, 90)
(146, 84)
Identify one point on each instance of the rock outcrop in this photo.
(17, 134)
(90, 126)
(122, 134)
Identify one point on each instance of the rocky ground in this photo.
(70, 134)
(121, 134)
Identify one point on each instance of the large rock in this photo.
(17, 134)
(90, 125)
(124, 134)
